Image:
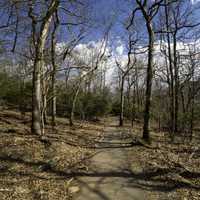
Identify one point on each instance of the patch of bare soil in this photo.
(34, 169)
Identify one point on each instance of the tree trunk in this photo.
(121, 115)
(192, 107)
(171, 87)
(192, 120)
(44, 99)
(22, 103)
(53, 77)
(38, 66)
(36, 98)
(44, 96)
(148, 82)
(71, 118)
(133, 106)
(53, 112)
(176, 79)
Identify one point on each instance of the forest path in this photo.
(109, 176)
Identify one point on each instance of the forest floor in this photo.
(126, 168)
(109, 176)
(94, 161)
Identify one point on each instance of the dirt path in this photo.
(109, 176)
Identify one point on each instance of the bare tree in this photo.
(101, 53)
(148, 12)
(177, 22)
(124, 71)
(54, 67)
(39, 44)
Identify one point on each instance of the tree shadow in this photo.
(148, 174)
(148, 180)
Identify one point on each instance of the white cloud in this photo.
(88, 51)
(120, 50)
(195, 1)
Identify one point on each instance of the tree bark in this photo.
(133, 115)
(121, 116)
(38, 65)
(36, 98)
(53, 77)
(171, 87)
(148, 81)
(71, 117)
(176, 79)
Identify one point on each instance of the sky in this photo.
(195, 1)
(105, 12)
(117, 11)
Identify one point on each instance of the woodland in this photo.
(99, 100)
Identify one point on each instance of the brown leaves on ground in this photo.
(30, 169)
(171, 170)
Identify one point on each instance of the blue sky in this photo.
(105, 11)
